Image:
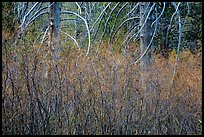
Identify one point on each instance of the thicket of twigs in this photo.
(100, 94)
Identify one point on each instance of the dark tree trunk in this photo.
(54, 34)
(145, 38)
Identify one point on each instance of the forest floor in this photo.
(99, 94)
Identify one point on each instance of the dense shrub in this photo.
(99, 94)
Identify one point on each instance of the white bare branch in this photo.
(27, 14)
(160, 14)
(100, 16)
(171, 21)
(75, 41)
(179, 41)
(78, 7)
(87, 27)
(45, 34)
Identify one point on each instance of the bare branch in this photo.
(107, 22)
(115, 21)
(87, 27)
(123, 24)
(24, 18)
(179, 41)
(78, 7)
(45, 12)
(171, 22)
(36, 13)
(75, 41)
(45, 34)
(160, 14)
(100, 16)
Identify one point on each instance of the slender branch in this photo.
(107, 23)
(160, 14)
(36, 13)
(115, 21)
(45, 12)
(135, 38)
(24, 18)
(78, 7)
(67, 19)
(171, 22)
(45, 34)
(87, 27)
(75, 41)
(131, 31)
(122, 25)
(142, 24)
(35, 17)
(179, 42)
(100, 16)
(134, 8)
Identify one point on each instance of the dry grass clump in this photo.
(99, 94)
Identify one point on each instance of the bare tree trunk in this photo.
(54, 34)
(145, 37)
(54, 37)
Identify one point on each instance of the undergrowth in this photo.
(100, 94)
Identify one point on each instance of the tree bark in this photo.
(54, 34)
(53, 38)
(145, 37)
